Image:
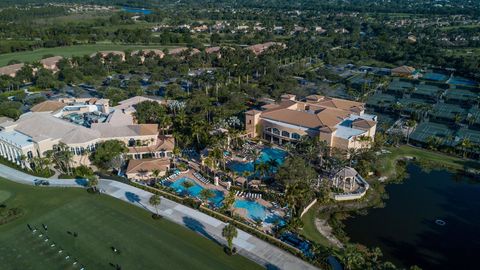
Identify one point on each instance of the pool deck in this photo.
(189, 174)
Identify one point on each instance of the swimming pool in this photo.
(194, 190)
(256, 211)
(266, 154)
(143, 11)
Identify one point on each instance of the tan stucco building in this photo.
(341, 123)
(81, 124)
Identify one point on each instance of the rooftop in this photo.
(147, 165)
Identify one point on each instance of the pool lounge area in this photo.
(253, 209)
(256, 211)
(194, 190)
(267, 154)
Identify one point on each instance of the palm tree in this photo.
(23, 159)
(206, 194)
(410, 124)
(351, 258)
(155, 201)
(197, 131)
(93, 182)
(156, 173)
(187, 184)
(272, 165)
(229, 200)
(230, 232)
(466, 145)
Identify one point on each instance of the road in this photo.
(247, 245)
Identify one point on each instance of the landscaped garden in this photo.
(98, 232)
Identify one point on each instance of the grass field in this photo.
(310, 230)
(387, 163)
(101, 222)
(76, 50)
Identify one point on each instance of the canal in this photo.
(409, 229)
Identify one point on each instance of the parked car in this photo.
(41, 182)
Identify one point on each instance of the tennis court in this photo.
(427, 129)
(448, 112)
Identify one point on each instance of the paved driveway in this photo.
(248, 245)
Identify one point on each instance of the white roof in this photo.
(40, 126)
(16, 138)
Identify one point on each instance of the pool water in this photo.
(137, 10)
(195, 190)
(256, 211)
(266, 154)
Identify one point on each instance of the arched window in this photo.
(276, 131)
(286, 134)
(268, 129)
(296, 136)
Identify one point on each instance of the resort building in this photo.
(180, 50)
(51, 63)
(11, 70)
(105, 54)
(261, 48)
(148, 52)
(341, 123)
(406, 72)
(81, 124)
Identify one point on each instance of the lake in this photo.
(406, 231)
(143, 11)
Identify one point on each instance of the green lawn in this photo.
(310, 229)
(387, 163)
(76, 50)
(101, 222)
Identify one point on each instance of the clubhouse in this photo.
(80, 124)
(341, 123)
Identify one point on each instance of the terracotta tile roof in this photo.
(147, 129)
(147, 165)
(213, 49)
(177, 51)
(110, 131)
(293, 117)
(48, 106)
(363, 123)
(403, 69)
(261, 48)
(157, 52)
(328, 112)
(165, 143)
(11, 70)
(51, 62)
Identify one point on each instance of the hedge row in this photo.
(10, 164)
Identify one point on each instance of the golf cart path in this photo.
(248, 245)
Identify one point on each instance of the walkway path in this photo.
(248, 245)
(324, 228)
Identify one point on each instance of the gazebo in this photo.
(345, 178)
